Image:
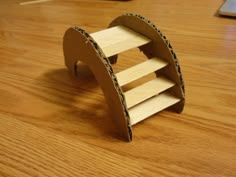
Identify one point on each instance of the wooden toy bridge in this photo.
(100, 49)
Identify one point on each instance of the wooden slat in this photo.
(151, 106)
(140, 70)
(118, 39)
(33, 2)
(147, 90)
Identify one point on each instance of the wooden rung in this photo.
(147, 90)
(118, 39)
(151, 106)
(140, 70)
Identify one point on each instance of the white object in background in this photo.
(228, 8)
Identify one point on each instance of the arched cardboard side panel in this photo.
(159, 47)
(80, 46)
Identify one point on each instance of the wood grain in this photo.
(54, 125)
(31, 151)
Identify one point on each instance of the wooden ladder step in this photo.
(151, 106)
(118, 39)
(140, 70)
(147, 90)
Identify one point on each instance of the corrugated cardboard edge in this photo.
(160, 47)
(121, 118)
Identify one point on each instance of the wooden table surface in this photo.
(52, 124)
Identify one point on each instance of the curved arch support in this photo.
(79, 45)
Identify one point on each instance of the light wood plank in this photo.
(34, 2)
(140, 70)
(151, 106)
(118, 39)
(147, 90)
(31, 150)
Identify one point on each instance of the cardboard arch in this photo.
(99, 50)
